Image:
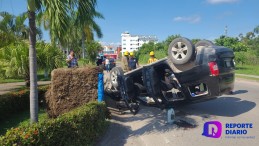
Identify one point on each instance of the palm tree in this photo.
(81, 25)
(14, 58)
(7, 22)
(89, 27)
(49, 57)
(10, 28)
(92, 51)
(13, 29)
(33, 62)
(58, 13)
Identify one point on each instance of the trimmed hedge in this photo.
(18, 101)
(81, 126)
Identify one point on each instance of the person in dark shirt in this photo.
(71, 60)
(133, 62)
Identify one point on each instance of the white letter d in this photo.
(213, 129)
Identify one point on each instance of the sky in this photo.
(203, 19)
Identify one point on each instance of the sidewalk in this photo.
(7, 87)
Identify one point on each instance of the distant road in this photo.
(7, 87)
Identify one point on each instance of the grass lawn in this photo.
(248, 69)
(23, 118)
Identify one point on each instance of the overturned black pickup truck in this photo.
(189, 74)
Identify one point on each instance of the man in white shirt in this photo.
(107, 64)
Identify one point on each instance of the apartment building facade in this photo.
(132, 43)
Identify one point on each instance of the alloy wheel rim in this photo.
(179, 51)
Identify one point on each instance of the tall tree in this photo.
(89, 27)
(49, 57)
(92, 51)
(13, 28)
(256, 29)
(81, 22)
(58, 14)
(33, 62)
(14, 58)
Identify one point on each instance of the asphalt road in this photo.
(149, 128)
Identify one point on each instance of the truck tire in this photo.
(181, 51)
(114, 76)
(203, 43)
(180, 68)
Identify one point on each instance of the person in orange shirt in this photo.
(152, 57)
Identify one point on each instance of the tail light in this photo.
(214, 70)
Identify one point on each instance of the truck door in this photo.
(152, 83)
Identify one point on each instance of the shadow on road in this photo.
(122, 127)
(223, 106)
(240, 91)
(149, 120)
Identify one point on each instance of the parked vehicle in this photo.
(189, 74)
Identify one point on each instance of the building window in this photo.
(123, 40)
(124, 48)
(130, 48)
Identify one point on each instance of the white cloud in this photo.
(221, 1)
(191, 19)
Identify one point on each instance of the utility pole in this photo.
(226, 30)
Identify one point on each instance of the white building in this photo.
(108, 48)
(132, 43)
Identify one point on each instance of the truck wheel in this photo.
(181, 51)
(180, 68)
(114, 76)
(203, 43)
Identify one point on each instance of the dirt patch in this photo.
(71, 88)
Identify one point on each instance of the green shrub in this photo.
(19, 101)
(247, 58)
(81, 126)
